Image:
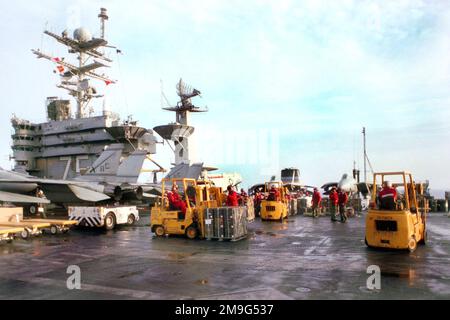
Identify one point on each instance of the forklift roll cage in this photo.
(407, 183)
(185, 183)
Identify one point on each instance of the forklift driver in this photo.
(274, 194)
(387, 197)
(176, 203)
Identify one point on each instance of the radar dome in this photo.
(82, 35)
(147, 138)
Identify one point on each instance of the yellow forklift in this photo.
(274, 209)
(402, 225)
(197, 197)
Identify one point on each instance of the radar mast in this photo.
(180, 131)
(76, 78)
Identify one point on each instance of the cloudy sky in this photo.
(287, 83)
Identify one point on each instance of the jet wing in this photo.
(20, 198)
(60, 191)
(149, 195)
(257, 187)
(70, 193)
(184, 170)
(327, 187)
(150, 189)
(153, 191)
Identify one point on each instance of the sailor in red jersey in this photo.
(334, 200)
(316, 203)
(175, 200)
(387, 196)
(232, 198)
(343, 199)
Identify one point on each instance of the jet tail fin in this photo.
(364, 188)
(184, 170)
(108, 162)
(109, 167)
(130, 169)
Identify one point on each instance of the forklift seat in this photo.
(387, 203)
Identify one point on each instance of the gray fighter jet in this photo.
(110, 178)
(17, 189)
(348, 184)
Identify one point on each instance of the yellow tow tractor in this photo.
(197, 197)
(271, 208)
(401, 225)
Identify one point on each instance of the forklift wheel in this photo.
(159, 231)
(191, 232)
(412, 244)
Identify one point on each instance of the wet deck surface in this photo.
(298, 259)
